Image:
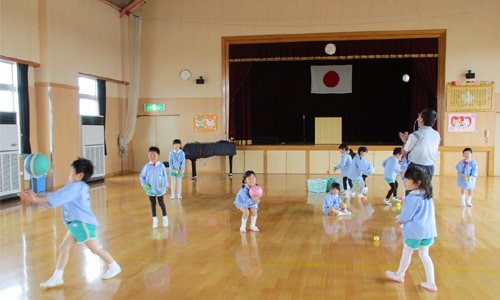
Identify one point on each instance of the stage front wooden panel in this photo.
(327, 131)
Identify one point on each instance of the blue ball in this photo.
(36, 164)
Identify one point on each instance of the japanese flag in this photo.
(335, 79)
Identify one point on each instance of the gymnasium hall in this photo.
(234, 81)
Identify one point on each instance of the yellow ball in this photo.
(376, 238)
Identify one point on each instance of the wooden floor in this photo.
(299, 253)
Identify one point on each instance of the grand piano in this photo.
(196, 151)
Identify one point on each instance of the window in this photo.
(8, 86)
(88, 96)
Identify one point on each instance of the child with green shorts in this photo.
(74, 198)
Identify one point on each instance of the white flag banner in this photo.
(334, 79)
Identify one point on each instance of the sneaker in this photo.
(469, 204)
(172, 197)
(111, 272)
(243, 229)
(429, 286)
(52, 282)
(352, 194)
(155, 222)
(179, 196)
(392, 276)
(387, 202)
(254, 228)
(165, 221)
(396, 199)
(365, 190)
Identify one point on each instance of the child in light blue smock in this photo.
(177, 165)
(466, 176)
(332, 204)
(391, 171)
(153, 179)
(76, 212)
(246, 204)
(418, 216)
(344, 165)
(359, 166)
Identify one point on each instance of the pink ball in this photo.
(255, 191)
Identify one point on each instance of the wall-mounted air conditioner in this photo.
(93, 144)
(10, 184)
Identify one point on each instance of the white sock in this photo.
(243, 222)
(423, 252)
(179, 186)
(462, 198)
(469, 199)
(253, 219)
(58, 273)
(405, 260)
(173, 184)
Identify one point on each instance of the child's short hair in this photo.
(246, 175)
(154, 149)
(362, 149)
(344, 146)
(335, 185)
(85, 166)
(467, 149)
(176, 141)
(396, 151)
(419, 175)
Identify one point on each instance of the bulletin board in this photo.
(470, 97)
(205, 123)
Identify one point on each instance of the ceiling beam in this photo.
(129, 8)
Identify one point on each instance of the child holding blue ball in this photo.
(74, 199)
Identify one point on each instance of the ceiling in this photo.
(125, 6)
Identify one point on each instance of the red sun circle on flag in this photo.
(331, 79)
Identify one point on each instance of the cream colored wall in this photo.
(65, 131)
(79, 36)
(178, 34)
(19, 30)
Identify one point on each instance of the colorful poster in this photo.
(205, 123)
(461, 122)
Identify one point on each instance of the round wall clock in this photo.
(330, 48)
(185, 74)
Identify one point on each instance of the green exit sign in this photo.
(152, 107)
